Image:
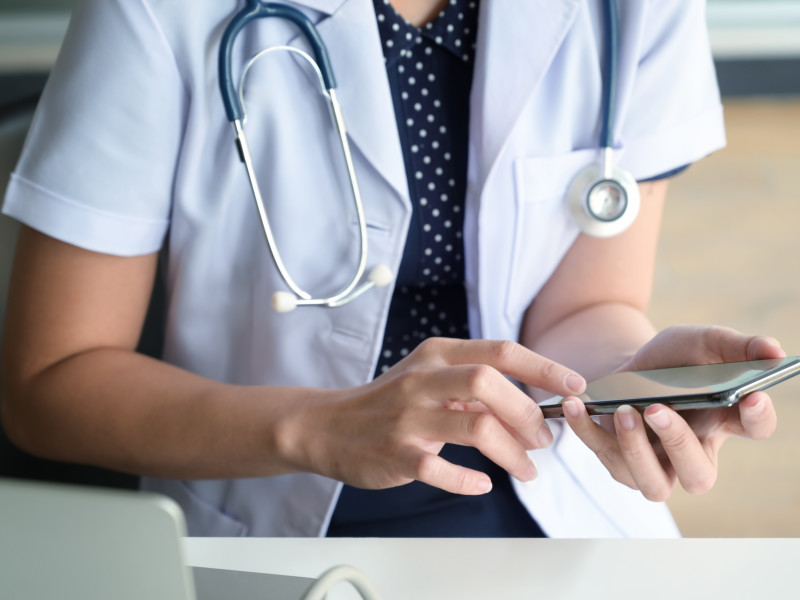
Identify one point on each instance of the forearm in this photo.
(117, 409)
(594, 341)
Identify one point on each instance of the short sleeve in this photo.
(670, 114)
(97, 169)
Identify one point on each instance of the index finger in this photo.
(517, 361)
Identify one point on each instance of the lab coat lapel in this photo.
(351, 35)
(517, 42)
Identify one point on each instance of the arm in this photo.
(591, 312)
(74, 389)
(591, 316)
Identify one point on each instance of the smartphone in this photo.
(699, 386)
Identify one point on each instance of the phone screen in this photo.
(681, 387)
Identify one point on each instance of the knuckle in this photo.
(479, 379)
(531, 414)
(480, 426)
(503, 350)
(679, 440)
(657, 493)
(700, 485)
(426, 467)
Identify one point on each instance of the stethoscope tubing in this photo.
(235, 110)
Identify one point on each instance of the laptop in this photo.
(64, 542)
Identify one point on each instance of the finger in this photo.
(484, 432)
(436, 471)
(640, 456)
(514, 360)
(758, 417)
(485, 385)
(696, 471)
(603, 443)
(762, 346)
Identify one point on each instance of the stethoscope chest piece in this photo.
(603, 204)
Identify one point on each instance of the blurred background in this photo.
(729, 249)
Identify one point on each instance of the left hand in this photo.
(678, 447)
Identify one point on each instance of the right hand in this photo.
(389, 432)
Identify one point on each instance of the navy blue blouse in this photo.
(430, 76)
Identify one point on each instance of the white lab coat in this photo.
(132, 140)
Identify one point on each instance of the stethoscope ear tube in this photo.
(255, 10)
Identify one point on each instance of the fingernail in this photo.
(530, 473)
(658, 419)
(575, 383)
(757, 408)
(571, 408)
(484, 486)
(626, 419)
(545, 437)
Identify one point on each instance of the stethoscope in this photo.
(603, 199)
(285, 301)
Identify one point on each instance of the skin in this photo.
(74, 389)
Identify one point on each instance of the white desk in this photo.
(751, 569)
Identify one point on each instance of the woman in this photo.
(255, 420)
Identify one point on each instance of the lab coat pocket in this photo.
(203, 518)
(543, 228)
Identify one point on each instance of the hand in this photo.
(390, 431)
(676, 446)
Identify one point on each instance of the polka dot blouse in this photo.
(430, 75)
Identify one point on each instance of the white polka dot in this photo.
(404, 95)
(438, 237)
(448, 223)
(431, 118)
(457, 43)
(400, 69)
(426, 160)
(431, 77)
(418, 174)
(428, 251)
(396, 27)
(435, 144)
(389, 43)
(411, 81)
(442, 129)
(424, 91)
(403, 351)
(435, 212)
(417, 106)
(438, 39)
(423, 201)
(419, 66)
(428, 50)
(447, 155)
(431, 186)
(426, 227)
(452, 183)
(437, 103)
(443, 197)
(387, 354)
(439, 171)
(409, 122)
(422, 133)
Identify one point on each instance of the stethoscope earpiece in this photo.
(379, 276)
